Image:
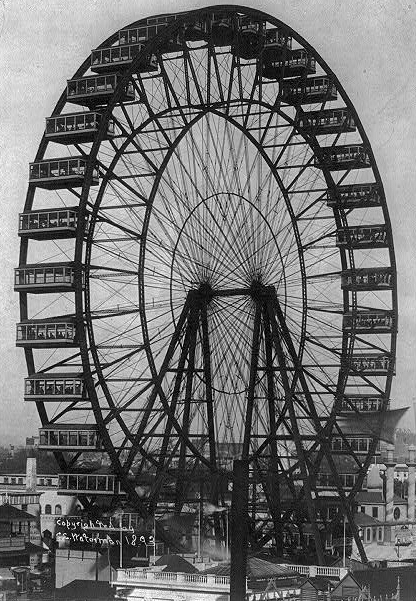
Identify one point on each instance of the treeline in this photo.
(15, 463)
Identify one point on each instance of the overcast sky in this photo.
(371, 46)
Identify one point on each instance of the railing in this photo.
(195, 578)
(170, 576)
(318, 571)
(222, 580)
(12, 541)
(278, 596)
(137, 576)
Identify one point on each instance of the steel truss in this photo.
(230, 275)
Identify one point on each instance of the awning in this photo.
(381, 425)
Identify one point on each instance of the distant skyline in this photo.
(370, 47)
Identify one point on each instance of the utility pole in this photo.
(154, 538)
(344, 545)
(121, 540)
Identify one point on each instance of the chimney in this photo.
(390, 463)
(31, 474)
(411, 483)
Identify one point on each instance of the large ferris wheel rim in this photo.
(151, 46)
(189, 16)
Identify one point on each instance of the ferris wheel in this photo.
(207, 273)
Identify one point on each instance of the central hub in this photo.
(259, 291)
(227, 243)
(256, 289)
(205, 292)
(227, 263)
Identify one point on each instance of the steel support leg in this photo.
(180, 488)
(272, 488)
(318, 428)
(310, 503)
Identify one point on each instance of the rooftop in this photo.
(9, 513)
(176, 563)
(256, 568)
(376, 497)
(362, 519)
(85, 589)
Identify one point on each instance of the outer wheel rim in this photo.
(80, 309)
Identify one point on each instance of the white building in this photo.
(52, 506)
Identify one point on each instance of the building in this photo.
(265, 580)
(81, 564)
(137, 584)
(24, 500)
(385, 519)
(79, 590)
(32, 443)
(53, 505)
(37, 494)
(19, 538)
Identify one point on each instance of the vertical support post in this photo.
(272, 483)
(199, 532)
(239, 530)
(344, 545)
(154, 538)
(180, 486)
(411, 484)
(208, 384)
(110, 571)
(209, 400)
(121, 540)
(252, 382)
(201, 520)
(389, 483)
(227, 517)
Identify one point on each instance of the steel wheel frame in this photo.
(340, 218)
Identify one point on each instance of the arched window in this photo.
(48, 509)
(396, 513)
(58, 510)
